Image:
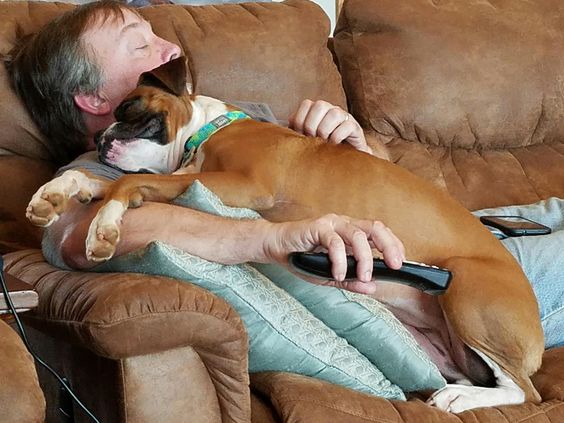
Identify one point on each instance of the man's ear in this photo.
(92, 104)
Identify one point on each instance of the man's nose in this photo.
(170, 51)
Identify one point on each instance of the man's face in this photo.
(124, 50)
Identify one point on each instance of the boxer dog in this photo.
(484, 333)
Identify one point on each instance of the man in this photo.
(74, 73)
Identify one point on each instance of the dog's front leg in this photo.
(50, 201)
(234, 189)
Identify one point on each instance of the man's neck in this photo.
(95, 124)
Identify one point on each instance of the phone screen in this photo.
(515, 225)
(516, 222)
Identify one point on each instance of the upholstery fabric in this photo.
(466, 94)
(110, 313)
(298, 398)
(21, 399)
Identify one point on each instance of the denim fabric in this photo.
(542, 259)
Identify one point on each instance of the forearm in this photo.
(236, 241)
(207, 236)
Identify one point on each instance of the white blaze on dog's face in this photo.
(153, 126)
(147, 134)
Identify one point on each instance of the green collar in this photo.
(206, 131)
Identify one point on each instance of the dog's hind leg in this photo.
(51, 200)
(491, 307)
(457, 398)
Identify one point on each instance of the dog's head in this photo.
(147, 134)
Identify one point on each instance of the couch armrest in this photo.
(122, 315)
(110, 313)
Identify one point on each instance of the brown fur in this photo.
(286, 176)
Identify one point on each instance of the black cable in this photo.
(27, 345)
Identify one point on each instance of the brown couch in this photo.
(465, 94)
(21, 398)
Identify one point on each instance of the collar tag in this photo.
(220, 121)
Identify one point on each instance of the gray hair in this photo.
(48, 68)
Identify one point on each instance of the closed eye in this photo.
(152, 128)
(128, 109)
(142, 47)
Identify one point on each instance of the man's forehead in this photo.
(117, 22)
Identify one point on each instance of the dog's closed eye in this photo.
(129, 109)
(152, 129)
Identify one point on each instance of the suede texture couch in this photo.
(21, 397)
(465, 94)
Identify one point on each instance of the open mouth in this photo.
(124, 154)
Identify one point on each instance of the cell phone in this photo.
(515, 225)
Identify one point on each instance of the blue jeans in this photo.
(542, 259)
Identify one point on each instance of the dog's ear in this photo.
(170, 76)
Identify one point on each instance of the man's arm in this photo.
(235, 241)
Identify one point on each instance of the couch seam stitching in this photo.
(126, 319)
(325, 405)
(126, 415)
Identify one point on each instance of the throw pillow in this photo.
(362, 321)
(283, 334)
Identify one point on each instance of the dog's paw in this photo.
(104, 233)
(51, 200)
(45, 207)
(458, 398)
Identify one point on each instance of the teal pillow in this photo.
(364, 322)
(368, 326)
(283, 334)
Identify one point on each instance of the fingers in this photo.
(314, 118)
(347, 234)
(385, 241)
(321, 119)
(337, 234)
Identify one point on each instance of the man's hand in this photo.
(323, 119)
(339, 235)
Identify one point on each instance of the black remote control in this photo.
(430, 279)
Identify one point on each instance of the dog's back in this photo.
(490, 300)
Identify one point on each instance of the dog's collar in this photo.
(205, 132)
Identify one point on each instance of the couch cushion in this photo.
(297, 398)
(467, 94)
(21, 398)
